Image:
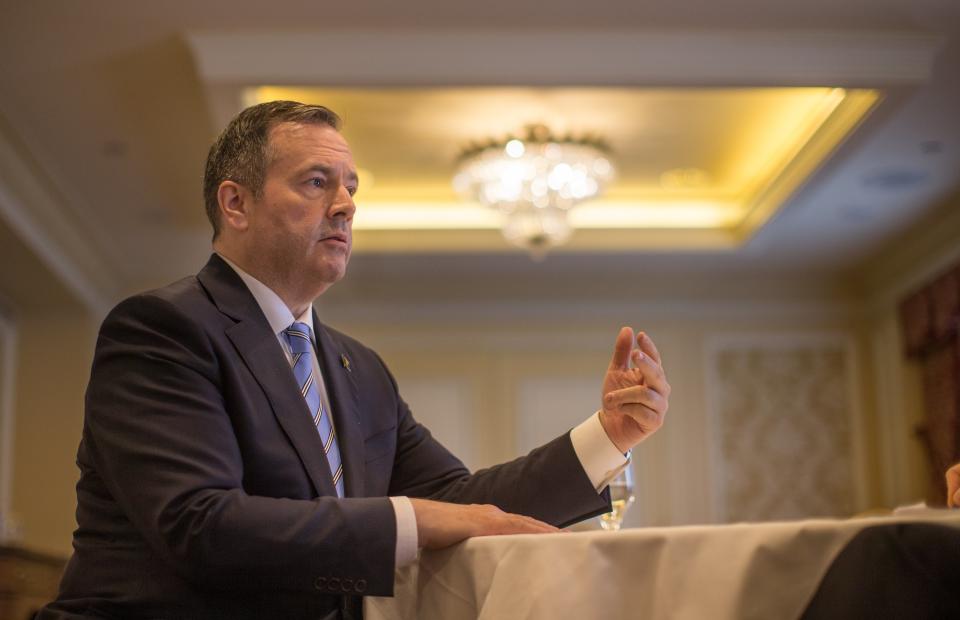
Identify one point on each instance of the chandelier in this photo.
(534, 180)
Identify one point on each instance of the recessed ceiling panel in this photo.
(689, 159)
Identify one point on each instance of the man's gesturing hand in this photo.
(634, 399)
(440, 524)
(953, 486)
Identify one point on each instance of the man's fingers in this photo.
(509, 523)
(621, 350)
(533, 526)
(956, 499)
(652, 372)
(648, 419)
(637, 395)
(646, 345)
(440, 524)
(634, 395)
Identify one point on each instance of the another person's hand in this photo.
(953, 486)
(440, 524)
(634, 400)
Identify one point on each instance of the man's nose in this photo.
(343, 205)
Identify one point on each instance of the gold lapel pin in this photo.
(345, 362)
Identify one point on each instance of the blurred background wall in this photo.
(792, 394)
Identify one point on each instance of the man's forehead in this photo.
(303, 139)
(294, 128)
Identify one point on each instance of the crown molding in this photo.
(565, 57)
(920, 256)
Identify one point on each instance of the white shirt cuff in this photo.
(406, 531)
(599, 457)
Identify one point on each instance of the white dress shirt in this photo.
(599, 457)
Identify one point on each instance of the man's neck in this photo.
(267, 278)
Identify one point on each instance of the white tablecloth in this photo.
(742, 571)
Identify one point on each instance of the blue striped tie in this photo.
(298, 335)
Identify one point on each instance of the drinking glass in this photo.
(621, 496)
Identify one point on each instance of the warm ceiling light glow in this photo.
(684, 177)
(442, 216)
(678, 214)
(534, 182)
(515, 148)
(596, 215)
(365, 179)
(717, 159)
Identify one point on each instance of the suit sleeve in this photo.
(159, 435)
(549, 483)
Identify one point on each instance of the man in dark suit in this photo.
(240, 459)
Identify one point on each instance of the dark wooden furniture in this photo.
(28, 581)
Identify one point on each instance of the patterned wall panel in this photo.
(783, 416)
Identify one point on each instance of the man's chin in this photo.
(330, 273)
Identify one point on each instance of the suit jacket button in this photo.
(360, 585)
(320, 583)
(346, 584)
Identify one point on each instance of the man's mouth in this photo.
(342, 238)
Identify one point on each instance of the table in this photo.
(740, 571)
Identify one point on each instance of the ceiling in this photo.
(110, 108)
(688, 160)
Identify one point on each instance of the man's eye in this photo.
(318, 182)
(352, 190)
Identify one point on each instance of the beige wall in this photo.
(54, 364)
(500, 371)
(509, 386)
(492, 388)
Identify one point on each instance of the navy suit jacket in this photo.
(204, 492)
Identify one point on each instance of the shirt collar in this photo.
(277, 313)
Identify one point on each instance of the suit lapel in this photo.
(257, 345)
(342, 390)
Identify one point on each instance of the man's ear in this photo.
(235, 202)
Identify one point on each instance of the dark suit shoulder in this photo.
(186, 299)
(183, 292)
(185, 295)
(172, 322)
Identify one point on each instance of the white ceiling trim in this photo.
(567, 57)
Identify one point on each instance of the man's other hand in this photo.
(953, 486)
(634, 399)
(440, 524)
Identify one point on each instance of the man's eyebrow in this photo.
(351, 175)
(318, 168)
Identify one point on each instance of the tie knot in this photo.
(298, 335)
